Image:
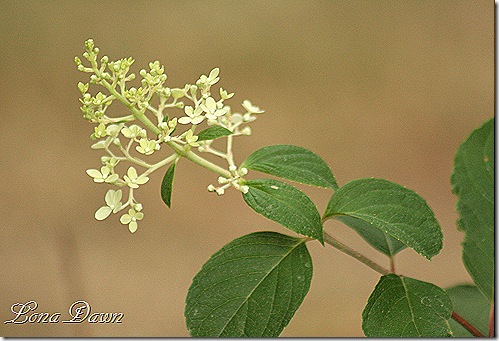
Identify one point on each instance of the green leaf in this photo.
(167, 184)
(406, 307)
(251, 287)
(374, 236)
(214, 132)
(286, 205)
(470, 303)
(292, 163)
(394, 210)
(473, 182)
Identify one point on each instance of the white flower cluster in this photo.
(125, 138)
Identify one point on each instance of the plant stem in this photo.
(351, 252)
(199, 160)
(468, 326)
(392, 264)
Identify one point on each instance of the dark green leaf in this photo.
(374, 236)
(473, 183)
(214, 132)
(406, 307)
(292, 163)
(286, 205)
(251, 287)
(167, 184)
(391, 208)
(470, 303)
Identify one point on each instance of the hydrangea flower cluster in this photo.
(156, 117)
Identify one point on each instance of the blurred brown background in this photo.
(377, 88)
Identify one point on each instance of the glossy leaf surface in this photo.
(292, 163)
(406, 307)
(392, 209)
(250, 288)
(285, 205)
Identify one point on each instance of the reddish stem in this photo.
(392, 264)
(468, 326)
(492, 321)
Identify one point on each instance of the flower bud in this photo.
(222, 180)
(246, 131)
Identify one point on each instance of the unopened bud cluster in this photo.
(233, 181)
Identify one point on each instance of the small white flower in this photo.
(99, 131)
(113, 201)
(212, 109)
(147, 147)
(132, 180)
(252, 109)
(191, 139)
(224, 95)
(133, 131)
(194, 116)
(103, 176)
(131, 219)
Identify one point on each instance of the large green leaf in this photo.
(405, 307)
(391, 208)
(473, 183)
(286, 205)
(470, 303)
(251, 287)
(167, 185)
(292, 163)
(213, 133)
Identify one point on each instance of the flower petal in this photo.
(132, 173)
(112, 178)
(142, 180)
(125, 219)
(132, 227)
(197, 119)
(94, 173)
(211, 105)
(102, 213)
(184, 120)
(117, 196)
(109, 197)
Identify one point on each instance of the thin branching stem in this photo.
(328, 239)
